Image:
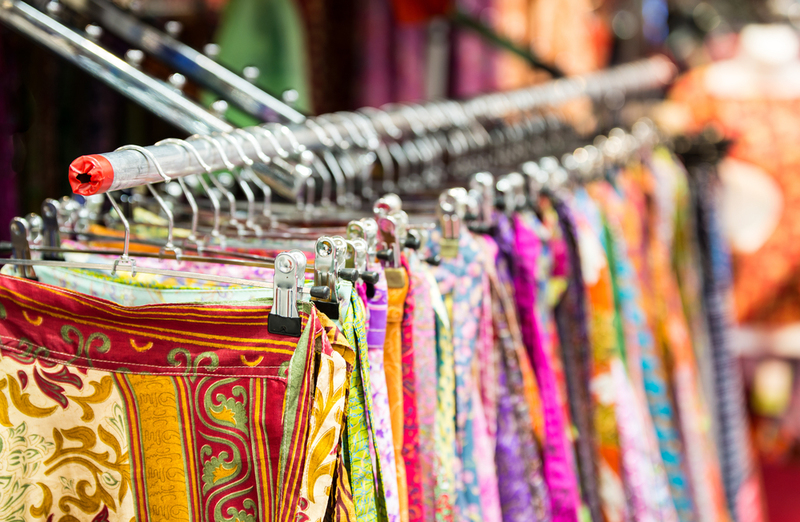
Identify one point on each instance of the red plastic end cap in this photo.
(90, 175)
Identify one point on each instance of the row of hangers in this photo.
(342, 252)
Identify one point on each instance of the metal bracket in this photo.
(50, 232)
(389, 241)
(324, 294)
(20, 248)
(284, 318)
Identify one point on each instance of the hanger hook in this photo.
(189, 147)
(267, 210)
(187, 193)
(124, 259)
(170, 217)
(218, 184)
(328, 165)
(248, 192)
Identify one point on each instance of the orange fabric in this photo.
(765, 132)
(393, 366)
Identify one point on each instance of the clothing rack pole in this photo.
(158, 97)
(99, 173)
(188, 61)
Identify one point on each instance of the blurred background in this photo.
(736, 104)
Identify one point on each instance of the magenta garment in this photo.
(410, 422)
(376, 336)
(558, 460)
(487, 354)
(376, 75)
(426, 379)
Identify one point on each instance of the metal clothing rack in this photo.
(201, 68)
(99, 173)
(157, 96)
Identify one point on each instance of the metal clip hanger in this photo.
(284, 319)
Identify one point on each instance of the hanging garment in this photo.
(397, 282)
(571, 319)
(383, 445)
(738, 469)
(703, 466)
(460, 282)
(446, 465)
(425, 369)
(559, 467)
(410, 415)
(231, 411)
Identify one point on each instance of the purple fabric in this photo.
(513, 380)
(558, 465)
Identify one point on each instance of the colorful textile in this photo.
(742, 483)
(460, 282)
(559, 468)
(382, 424)
(410, 417)
(397, 281)
(426, 380)
(573, 328)
(212, 424)
(446, 464)
(366, 477)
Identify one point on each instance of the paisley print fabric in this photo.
(211, 426)
(426, 381)
(410, 416)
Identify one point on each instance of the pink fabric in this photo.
(410, 418)
(425, 367)
(558, 465)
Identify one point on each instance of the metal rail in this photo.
(188, 61)
(155, 95)
(124, 169)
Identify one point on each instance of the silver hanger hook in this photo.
(170, 217)
(373, 114)
(329, 165)
(187, 193)
(218, 184)
(248, 192)
(339, 162)
(306, 158)
(124, 259)
(189, 147)
(266, 160)
(283, 153)
(369, 145)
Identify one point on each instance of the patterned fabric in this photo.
(397, 280)
(382, 424)
(573, 328)
(426, 381)
(605, 354)
(654, 372)
(517, 494)
(446, 463)
(672, 331)
(461, 284)
(366, 476)
(520, 378)
(142, 290)
(211, 425)
(638, 448)
(742, 486)
(558, 465)
(410, 417)
(330, 397)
